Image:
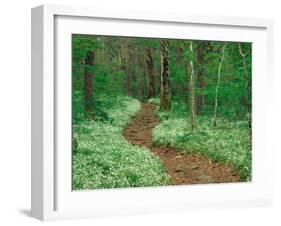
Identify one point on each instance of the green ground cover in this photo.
(102, 158)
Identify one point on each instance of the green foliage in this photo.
(102, 158)
(83, 44)
(78, 113)
(108, 80)
(148, 42)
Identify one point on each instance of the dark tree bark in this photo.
(201, 84)
(89, 82)
(150, 71)
(165, 87)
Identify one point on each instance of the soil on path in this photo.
(183, 168)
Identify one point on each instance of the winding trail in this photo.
(182, 168)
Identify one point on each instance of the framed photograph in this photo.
(137, 112)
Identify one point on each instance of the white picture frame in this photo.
(52, 197)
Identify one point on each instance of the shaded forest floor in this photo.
(183, 168)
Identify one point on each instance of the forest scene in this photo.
(156, 112)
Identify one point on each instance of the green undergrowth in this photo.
(102, 158)
(226, 143)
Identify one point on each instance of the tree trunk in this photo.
(201, 55)
(126, 64)
(143, 73)
(247, 91)
(89, 82)
(81, 72)
(128, 67)
(135, 72)
(192, 89)
(217, 87)
(150, 71)
(180, 56)
(143, 87)
(165, 88)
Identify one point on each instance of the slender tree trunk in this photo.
(180, 56)
(192, 89)
(134, 71)
(150, 71)
(139, 76)
(81, 72)
(157, 67)
(143, 86)
(201, 55)
(89, 82)
(126, 64)
(123, 64)
(247, 91)
(218, 85)
(128, 68)
(120, 60)
(165, 88)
